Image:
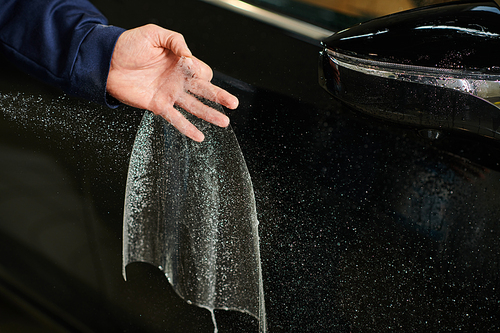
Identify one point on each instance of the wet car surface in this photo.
(364, 226)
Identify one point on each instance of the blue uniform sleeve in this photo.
(66, 43)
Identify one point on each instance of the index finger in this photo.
(213, 93)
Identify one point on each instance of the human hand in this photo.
(152, 68)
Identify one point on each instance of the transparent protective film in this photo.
(190, 211)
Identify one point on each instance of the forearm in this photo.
(66, 43)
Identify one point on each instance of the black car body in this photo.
(364, 225)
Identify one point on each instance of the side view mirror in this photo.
(436, 68)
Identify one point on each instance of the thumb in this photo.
(175, 42)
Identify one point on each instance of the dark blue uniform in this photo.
(66, 43)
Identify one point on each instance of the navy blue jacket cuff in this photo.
(90, 70)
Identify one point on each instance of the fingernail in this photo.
(235, 103)
(224, 122)
(199, 138)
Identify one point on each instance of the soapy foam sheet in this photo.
(190, 211)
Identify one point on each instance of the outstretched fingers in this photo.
(177, 120)
(197, 81)
(196, 107)
(213, 93)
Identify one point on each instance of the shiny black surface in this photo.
(366, 228)
(451, 36)
(363, 226)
